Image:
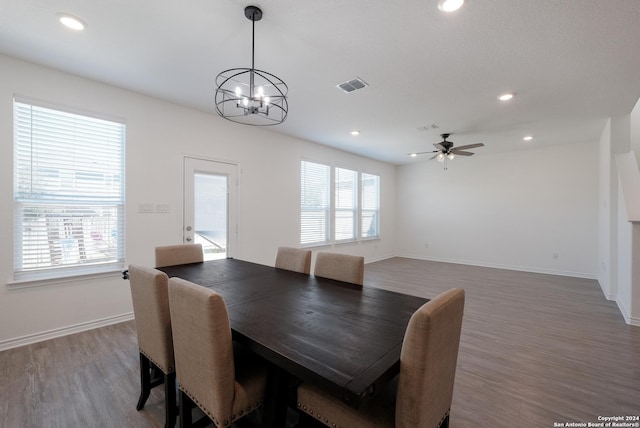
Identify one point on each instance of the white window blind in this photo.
(314, 203)
(370, 206)
(68, 193)
(346, 191)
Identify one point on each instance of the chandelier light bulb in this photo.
(238, 91)
(266, 100)
(245, 101)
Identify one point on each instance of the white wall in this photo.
(606, 269)
(511, 210)
(159, 134)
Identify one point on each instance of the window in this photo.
(314, 203)
(68, 193)
(346, 191)
(337, 205)
(370, 206)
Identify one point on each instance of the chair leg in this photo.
(171, 406)
(145, 381)
(185, 407)
(445, 422)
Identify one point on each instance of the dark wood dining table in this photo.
(343, 337)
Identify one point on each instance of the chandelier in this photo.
(250, 96)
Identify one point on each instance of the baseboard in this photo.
(625, 312)
(63, 331)
(499, 266)
(607, 295)
(378, 259)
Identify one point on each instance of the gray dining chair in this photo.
(171, 255)
(422, 393)
(225, 385)
(341, 267)
(155, 343)
(294, 259)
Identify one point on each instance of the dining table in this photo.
(343, 337)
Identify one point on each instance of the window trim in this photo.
(54, 274)
(332, 207)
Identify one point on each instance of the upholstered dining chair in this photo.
(170, 255)
(224, 386)
(153, 325)
(341, 267)
(294, 259)
(421, 394)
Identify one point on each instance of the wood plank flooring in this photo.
(535, 349)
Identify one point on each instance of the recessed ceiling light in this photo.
(413, 155)
(506, 97)
(72, 22)
(528, 138)
(450, 5)
(355, 132)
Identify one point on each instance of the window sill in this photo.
(33, 281)
(343, 242)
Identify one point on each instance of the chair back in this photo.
(171, 255)
(151, 311)
(294, 259)
(341, 267)
(203, 347)
(428, 361)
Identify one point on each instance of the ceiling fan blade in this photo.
(440, 147)
(469, 146)
(433, 157)
(459, 153)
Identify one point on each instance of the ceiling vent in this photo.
(352, 85)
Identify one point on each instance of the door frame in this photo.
(192, 164)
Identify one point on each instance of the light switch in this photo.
(145, 208)
(162, 208)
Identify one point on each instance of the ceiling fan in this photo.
(447, 151)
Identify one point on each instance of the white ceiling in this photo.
(571, 63)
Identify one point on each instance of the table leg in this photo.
(276, 398)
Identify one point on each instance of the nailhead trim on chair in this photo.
(334, 425)
(317, 415)
(213, 419)
(169, 370)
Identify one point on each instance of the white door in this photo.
(210, 197)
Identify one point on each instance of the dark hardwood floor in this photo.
(535, 349)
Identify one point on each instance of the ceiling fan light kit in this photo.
(250, 96)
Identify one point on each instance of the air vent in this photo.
(352, 85)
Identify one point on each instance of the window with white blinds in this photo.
(68, 193)
(346, 191)
(314, 203)
(337, 205)
(370, 206)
